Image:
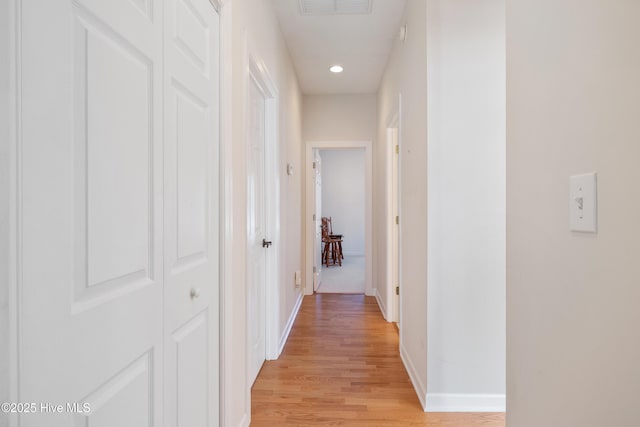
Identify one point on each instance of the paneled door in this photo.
(256, 233)
(94, 199)
(191, 213)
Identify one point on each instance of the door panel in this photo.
(116, 137)
(190, 345)
(91, 211)
(191, 214)
(125, 400)
(256, 255)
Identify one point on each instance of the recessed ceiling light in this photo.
(336, 69)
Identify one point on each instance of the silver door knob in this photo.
(195, 293)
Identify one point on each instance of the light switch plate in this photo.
(583, 203)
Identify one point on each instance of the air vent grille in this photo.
(335, 7)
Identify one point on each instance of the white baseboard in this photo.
(418, 386)
(383, 308)
(455, 402)
(290, 322)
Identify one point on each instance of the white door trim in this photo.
(14, 203)
(309, 209)
(393, 124)
(226, 207)
(258, 72)
(400, 226)
(390, 279)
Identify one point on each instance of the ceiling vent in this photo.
(335, 7)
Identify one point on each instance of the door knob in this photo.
(195, 293)
(266, 243)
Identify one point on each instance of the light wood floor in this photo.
(341, 367)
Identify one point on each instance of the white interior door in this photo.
(395, 244)
(98, 280)
(318, 212)
(91, 215)
(191, 213)
(256, 232)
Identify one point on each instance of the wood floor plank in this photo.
(341, 367)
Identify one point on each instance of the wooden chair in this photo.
(335, 236)
(332, 245)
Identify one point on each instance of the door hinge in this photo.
(397, 219)
(397, 149)
(397, 290)
(314, 165)
(314, 217)
(315, 270)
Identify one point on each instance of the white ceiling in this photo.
(361, 43)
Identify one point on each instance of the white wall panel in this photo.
(466, 211)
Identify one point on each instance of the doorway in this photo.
(332, 193)
(340, 206)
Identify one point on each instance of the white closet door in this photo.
(91, 211)
(118, 212)
(191, 214)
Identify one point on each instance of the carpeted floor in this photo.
(348, 279)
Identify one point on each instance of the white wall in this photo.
(573, 306)
(406, 75)
(466, 176)
(450, 75)
(252, 27)
(4, 206)
(343, 196)
(339, 117)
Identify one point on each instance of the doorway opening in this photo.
(340, 220)
(339, 193)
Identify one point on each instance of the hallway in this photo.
(341, 367)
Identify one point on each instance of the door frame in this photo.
(309, 223)
(316, 274)
(394, 121)
(393, 126)
(258, 73)
(14, 203)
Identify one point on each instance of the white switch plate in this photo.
(583, 203)
(298, 278)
